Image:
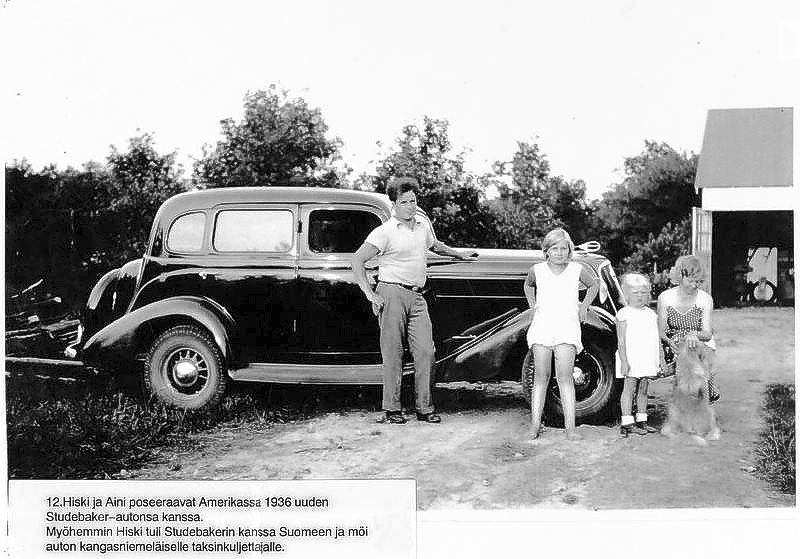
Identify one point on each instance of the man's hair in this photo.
(556, 236)
(687, 266)
(400, 186)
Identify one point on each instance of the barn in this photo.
(744, 229)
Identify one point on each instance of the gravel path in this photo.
(480, 456)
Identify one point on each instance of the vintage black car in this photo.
(254, 284)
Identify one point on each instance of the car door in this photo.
(248, 266)
(335, 321)
(256, 256)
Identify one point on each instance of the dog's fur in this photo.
(689, 410)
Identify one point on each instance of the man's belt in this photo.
(414, 288)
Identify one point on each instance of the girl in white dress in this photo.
(552, 290)
(639, 352)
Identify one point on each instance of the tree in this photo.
(141, 179)
(72, 226)
(658, 189)
(534, 202)
(658, 253)
(567, 201)
(424, 153)
(529, 173)
(516, 226)
(279, 141)
(448, 193)
(661, 249)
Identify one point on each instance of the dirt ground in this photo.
(480, 456)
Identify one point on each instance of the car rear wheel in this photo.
(183, 369)
(596, 389)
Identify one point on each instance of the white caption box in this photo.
(288, 519)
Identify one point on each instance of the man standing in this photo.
(401, 245)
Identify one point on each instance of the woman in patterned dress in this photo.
(684, 314)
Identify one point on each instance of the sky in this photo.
(589, 81)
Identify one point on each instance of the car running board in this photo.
(288, 373)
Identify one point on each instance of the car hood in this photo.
(498, 261)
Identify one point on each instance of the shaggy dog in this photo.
(688, 409)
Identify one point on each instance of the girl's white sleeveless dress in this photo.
(641, 342)
(555, 318)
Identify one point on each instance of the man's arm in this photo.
(364, 253)
(440, 248)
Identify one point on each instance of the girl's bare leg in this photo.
(542, 357)
(565, 365)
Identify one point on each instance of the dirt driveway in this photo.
(480, 456)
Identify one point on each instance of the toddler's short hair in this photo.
(635, 279)
(556, 236)
(687, 266)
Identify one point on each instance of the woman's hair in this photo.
(556, 236)
(687, 266)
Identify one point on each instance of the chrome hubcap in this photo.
(579, 376)
(586, 375)
(186, 370)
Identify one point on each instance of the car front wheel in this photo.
(183, 369)
(596, 389)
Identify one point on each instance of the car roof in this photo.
(200, 199)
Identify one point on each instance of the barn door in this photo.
(701, 240)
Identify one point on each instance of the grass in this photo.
(93, 428)
(775, 449)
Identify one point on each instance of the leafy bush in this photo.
(775, 450)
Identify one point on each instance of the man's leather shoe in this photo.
(429, 417)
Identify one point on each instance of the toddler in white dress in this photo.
(639, 352)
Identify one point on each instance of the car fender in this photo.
(120, 341)
(486, 357)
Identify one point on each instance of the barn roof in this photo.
(746, 148)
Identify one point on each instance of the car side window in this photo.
(186, 233)
(336, 231)
(254, 231)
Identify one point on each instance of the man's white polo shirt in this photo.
(402, 253)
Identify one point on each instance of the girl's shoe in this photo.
(633, 428)
(647, 428)
(395, 417)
